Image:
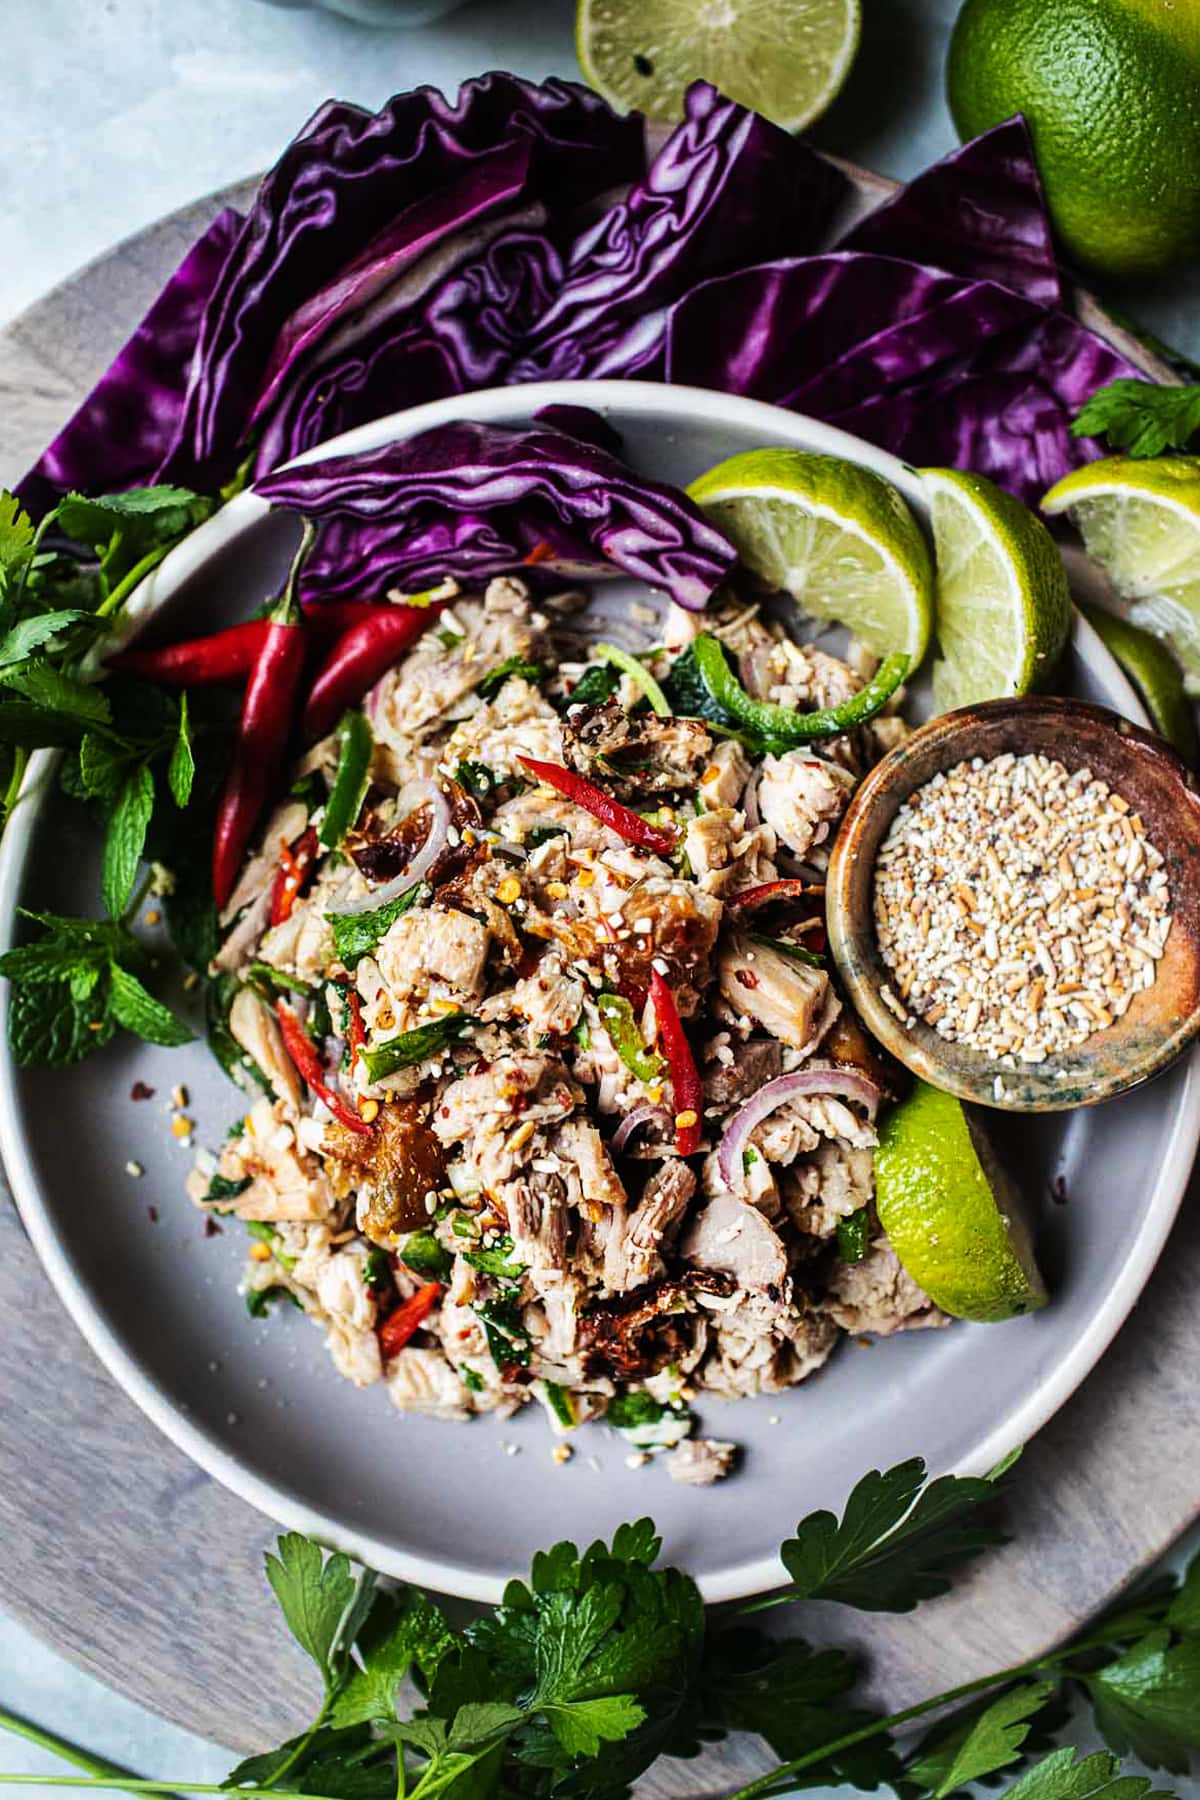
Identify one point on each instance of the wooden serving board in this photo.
(134, 1563)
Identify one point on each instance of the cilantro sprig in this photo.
(602, 1662)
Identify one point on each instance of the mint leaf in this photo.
(416, 1046)
(139, 1012)
(102, 766)
(49, 1028)
(1148, 1701)
(979, 1746)
(60, 695)
(48, 959)
(1140, 417)
(323, 1603)
(896, 1542)
(31, 634)
(358, 934)
(181, 770)
(1097, 1777)
(125, 839)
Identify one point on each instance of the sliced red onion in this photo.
(641, 1115)
(750, 803)
(411, 797)
(844, 1084)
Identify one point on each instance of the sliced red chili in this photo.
(399, 1325)
(576, 788)
(303, 1053)
(768, 891)
(540, 553)
(296, 864)
(686, 1087)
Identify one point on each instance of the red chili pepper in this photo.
(539, 554)
(303, 1053)
(226, 656)
(296, 864)
(686, 1086)
(358, 1036)
(264, 728)
(399, 1325)
(359, 658)
(751, 897)
(629, 825)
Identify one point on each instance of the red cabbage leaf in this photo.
(727, 188)
(120, 434)
(472, 501)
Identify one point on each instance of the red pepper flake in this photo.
(152, 1214)
(686, 1087)
(746, 978)
(540, 553)
(576, 788)
(303, 1053)
(211, 1228)
(296, 863)
(400, 1325)
(139, 1091)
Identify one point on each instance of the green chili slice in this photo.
(779, 723)
(412, 1047)
(355, 744)
(784, 947)
(637, 673)
(622, 1028)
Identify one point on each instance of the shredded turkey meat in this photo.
(471, 1181)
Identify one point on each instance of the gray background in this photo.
(113, 112)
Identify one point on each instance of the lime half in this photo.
(787, 59)
(1155, 674)
(838, 538)
(1003, 607)
(950, 1211)
(1140, 519)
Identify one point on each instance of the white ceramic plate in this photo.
(451, 1505)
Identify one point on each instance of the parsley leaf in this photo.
(33, 633)
(16, 542)
(896, 1542)
(978, 1746)
(401, 1632)
(125, 839)
(357, 934)
(322, 1601)
(1148, 1701)
(1097, 1777)
(1140, 417)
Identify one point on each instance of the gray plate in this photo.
(258, 1403)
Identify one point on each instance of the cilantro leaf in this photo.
(357, 934)
(322, 1601)
(138, 1011)
(126, 838)
(1148, 1701)
(1096, 1777)
(398, 1634)
(979, 1745)
(181, 770)
(896, 1542)
(1140, 417)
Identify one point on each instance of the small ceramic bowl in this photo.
(1161, 1020)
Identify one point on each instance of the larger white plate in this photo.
(257, 1404)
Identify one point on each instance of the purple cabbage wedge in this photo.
(352, 201)
(120, 435)
(727, 188)
(473, 501)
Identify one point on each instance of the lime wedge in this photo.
(1003, 608)
(1140, 519)
(786, 59)
(838, 538)
(951, 1212)
(1155, 674)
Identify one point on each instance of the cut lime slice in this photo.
(1140, 519)
(951, 1212)
(1003, 608)
(787, 59)
(838, 538)
(1156, 675)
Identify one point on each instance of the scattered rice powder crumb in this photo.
(1019, 908)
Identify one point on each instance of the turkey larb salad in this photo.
(559, 1099)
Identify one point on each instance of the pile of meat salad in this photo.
(556, 1098)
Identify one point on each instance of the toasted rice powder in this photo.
(1018, 907)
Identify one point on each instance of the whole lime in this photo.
(1111, 90)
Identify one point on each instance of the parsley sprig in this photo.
(602, 1662)
(1142, 418)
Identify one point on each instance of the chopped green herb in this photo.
(463, 1225)
(477, 778)
(357, 934)
(541, 834)
(494, 1261)
(379, 1272)
(491, 683)
(785, 947)
(853, 1235)
(259, 1301)
(507, 1339)
(413, 1047)
(558, 1399)
(267, 1234)
(594, 687)
(422, 1253)
(629, 1410)
(271, 981)
(471, 1379)
(223, 1187)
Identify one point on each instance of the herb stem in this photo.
(72, 1753)
(116, 599)
(13, 790)
(118, 1780)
